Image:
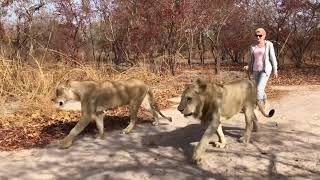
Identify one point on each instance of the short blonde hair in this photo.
(261, 30)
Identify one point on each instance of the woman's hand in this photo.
(275, 75)
(246, 68)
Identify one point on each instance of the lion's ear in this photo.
(188, 85)
(201, 85)
(220, 84)
(66, 84)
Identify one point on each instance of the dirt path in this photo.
(287, 146)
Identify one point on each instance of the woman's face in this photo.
(260, 37)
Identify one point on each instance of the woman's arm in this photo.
(273, 60)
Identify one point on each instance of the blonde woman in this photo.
(262, 63)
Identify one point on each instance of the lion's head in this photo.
(64, 93)
(201, 94)
(191, 99)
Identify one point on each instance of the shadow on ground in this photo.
(118, 157)
(271, 149)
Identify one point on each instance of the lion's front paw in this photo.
(64, 144)
(244, 139)
(126, 131)
(155, 123)
(220, 145)
(99, 136)
(196, 158)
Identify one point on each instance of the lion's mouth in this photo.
(189, 114)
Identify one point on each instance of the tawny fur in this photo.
(96, 97)
(208, 102)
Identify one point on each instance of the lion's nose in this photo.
(180, 109)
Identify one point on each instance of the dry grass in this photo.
(33, 86)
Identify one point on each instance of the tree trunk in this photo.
(298, 56)
(172, 62)
(152, 62)
(217, 60)
(216, 57)
(218, 65)
(92, 44)
(201, 48)
(299, 61)
(116, 54)
(190, 50)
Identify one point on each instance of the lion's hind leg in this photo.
(133, 110)
(100, 124)
(222, 140)
(146, 103)
(249, 117)
(149, 104)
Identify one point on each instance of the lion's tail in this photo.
(155, 106)
(270, 114)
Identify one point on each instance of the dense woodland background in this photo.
(159, 33)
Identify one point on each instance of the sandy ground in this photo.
(286, 147)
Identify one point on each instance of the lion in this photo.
(209, 101)
(96, 97)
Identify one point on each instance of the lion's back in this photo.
(130, 88)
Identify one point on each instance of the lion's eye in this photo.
(189, 99)
(59, 92)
